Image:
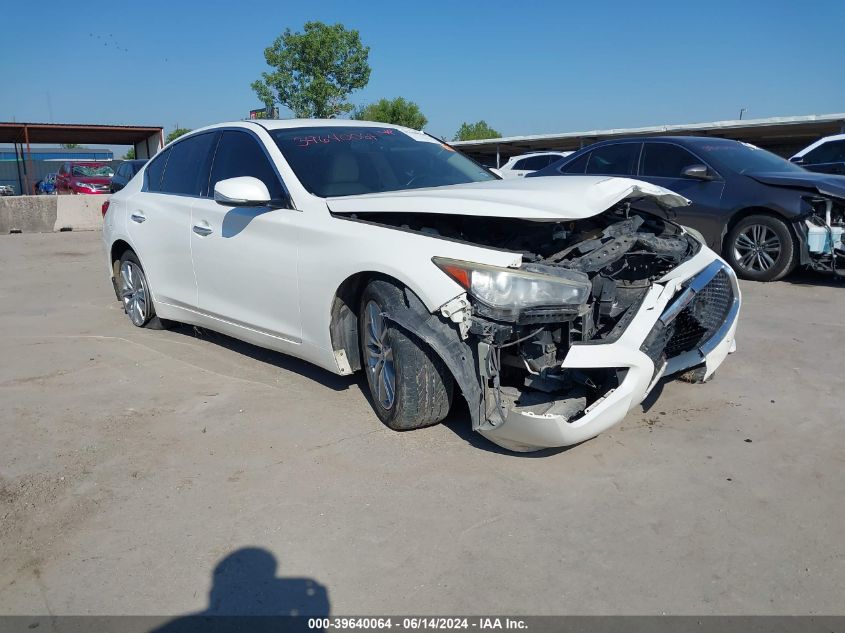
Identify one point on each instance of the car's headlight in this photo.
(84, 185)
(508, 293)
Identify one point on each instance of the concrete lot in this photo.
(133, 461)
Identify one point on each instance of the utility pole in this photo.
(741, 112)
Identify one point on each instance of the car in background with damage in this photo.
(84, 178)
(551, 305)
(765, 215)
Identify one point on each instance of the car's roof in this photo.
(681, 140)
(282, 124)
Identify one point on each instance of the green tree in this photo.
(130, 154)
(397, 111)
(71, 146)
(179, 131)
(313, 72)
(475, 131)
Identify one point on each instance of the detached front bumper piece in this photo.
(683, 323)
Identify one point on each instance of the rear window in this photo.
(155, 170)
(614, 160)
(577, 166)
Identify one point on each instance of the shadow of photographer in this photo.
(246, 595)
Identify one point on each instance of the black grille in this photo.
(696, 323)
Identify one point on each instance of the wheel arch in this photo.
(118, 248)
(343, 323)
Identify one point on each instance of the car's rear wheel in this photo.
(409, 385)
(134, 292)
(761, 248)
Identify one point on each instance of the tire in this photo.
(761, 248)
(135, 294)
(422, 385)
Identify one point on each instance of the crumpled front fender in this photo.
(444, 339)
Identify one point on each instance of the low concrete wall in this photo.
(45, 214)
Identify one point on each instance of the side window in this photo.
(239, 154)
(664, 160)
(577, 166)
(122, 171)
(521, 164)
(537, 162)
(187, 168)
(832, 152)
(155, 170)
(619, 159)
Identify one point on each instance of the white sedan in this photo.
(552, 305)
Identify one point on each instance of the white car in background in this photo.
(549, 304)
(519, 166)
(827, 155)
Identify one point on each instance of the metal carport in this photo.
(147, 140)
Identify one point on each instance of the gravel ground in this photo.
(146, 472)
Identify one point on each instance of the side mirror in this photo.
(699, 172)
(798, 160)
(496, 171)
(243, 191)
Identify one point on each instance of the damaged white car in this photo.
(549, 304)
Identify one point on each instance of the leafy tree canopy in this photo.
(313, 72)
(179, 131)
(475, 131)
(72, 146)
(130, 154)
(397, 111)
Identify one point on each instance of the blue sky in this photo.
(525, 67)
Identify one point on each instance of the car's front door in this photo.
(245, 258)
(663, 164)
(160, 218)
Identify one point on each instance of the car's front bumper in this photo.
(524, 430)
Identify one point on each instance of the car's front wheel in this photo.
(409, 385)
(761, 248)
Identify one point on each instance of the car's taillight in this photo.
(105, 207)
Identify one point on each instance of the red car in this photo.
(84, 177)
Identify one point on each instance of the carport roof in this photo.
(75, 133)
(766, 132)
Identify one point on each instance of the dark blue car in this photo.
(764, 214)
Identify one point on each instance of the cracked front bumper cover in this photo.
(524, 430)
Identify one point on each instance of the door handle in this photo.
(202, 229)
(138, 217)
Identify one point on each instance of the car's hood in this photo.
(825, 184)
(553, 198)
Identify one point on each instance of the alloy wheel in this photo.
(379, 356)
(133, 291)
(757, 248)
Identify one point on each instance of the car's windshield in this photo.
(88, 171)
(744, 157)
(343, 161)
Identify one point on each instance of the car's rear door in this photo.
(663, 163)
(245, 258)
(160, 218)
